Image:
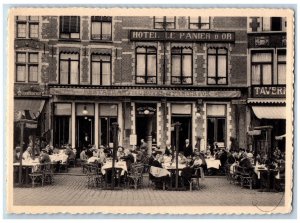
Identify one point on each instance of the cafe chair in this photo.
(245, 178)
(37, 175)
(48, 174)
(195, 179)
(63, 166)
(135, 176)
(72, 161)
(93, 175)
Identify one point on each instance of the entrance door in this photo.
(85, 131)
(184, 131)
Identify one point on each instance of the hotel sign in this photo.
(182, 36)
(145, 92)
(278, 91)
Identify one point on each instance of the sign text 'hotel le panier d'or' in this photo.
(185, 36)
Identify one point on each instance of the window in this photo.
(62, 124)
(146, 65)
(108, 115)
(261, 68)
(101, 27)
(69, 27)
(69, 68)
(217, 66)
(216, 123)
(164, 22)
(26, 67)
(200, 22)
(27, 27)
(258, 24)
(101, 69)
(281, 66)
(182, 65)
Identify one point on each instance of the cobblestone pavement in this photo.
(71, 190)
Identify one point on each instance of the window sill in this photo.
(100, 41)
(69, 40)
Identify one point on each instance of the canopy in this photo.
(254, 132)
(280, 137)
(33, 106)
(269, 112)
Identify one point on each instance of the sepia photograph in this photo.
(169, 111)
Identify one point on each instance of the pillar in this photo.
(96, 126)
(73, 120)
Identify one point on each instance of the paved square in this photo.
(71, 190)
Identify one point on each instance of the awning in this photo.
(254, 132)
(266, 100)
(280, 137)
(34, 106)
(269, 112)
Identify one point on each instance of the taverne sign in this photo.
(182, 36)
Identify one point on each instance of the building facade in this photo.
(79, 74)
(267, 81)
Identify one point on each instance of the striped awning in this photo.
(33, 106)
(269, 112)
(266, 100)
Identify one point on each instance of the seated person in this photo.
(27, 155)
(246, 163)
(83, 156)
(120, 152)
(69, 152)
(17, 153)
(128, 158)
(181, 158)
(158, 181)
(44, 157)
(197, 162)
(89, 152)
(186, 175)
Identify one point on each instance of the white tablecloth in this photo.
(120, 164)
(212, 163)
(93, 159)
(59, 157)
(159, 172)
(259, 168)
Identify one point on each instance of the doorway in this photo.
(85, 131)
(185, 130)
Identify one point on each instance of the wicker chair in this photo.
(198, 174)
(245, 177)
(93, 175)
(135, 176)
(36, 175)
(48, 173)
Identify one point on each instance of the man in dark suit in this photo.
(188, 149)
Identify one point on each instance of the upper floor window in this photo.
(69, 68)
(164, 22)
(200, 22)
(281, 66)
(27, 27)
(146, 65)
(217, 66)
(101, 27)
(101, 69)
(261, 68)
(69, 27)
(182, 65)
(26, 67)
(258, 24)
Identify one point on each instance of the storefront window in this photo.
(216, 123)
(101, 69)
(62, 124)
(108, 115)
(217, 66)
(146, 65)
(69, 27)
(69, 68)
(101, 27)
(182, 65)
(261, 68)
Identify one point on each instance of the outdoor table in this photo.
(29, 166)
(269, 180)
(172, 169)
(93, 159)
(213, 163)
(108, 165)
(61, 157)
